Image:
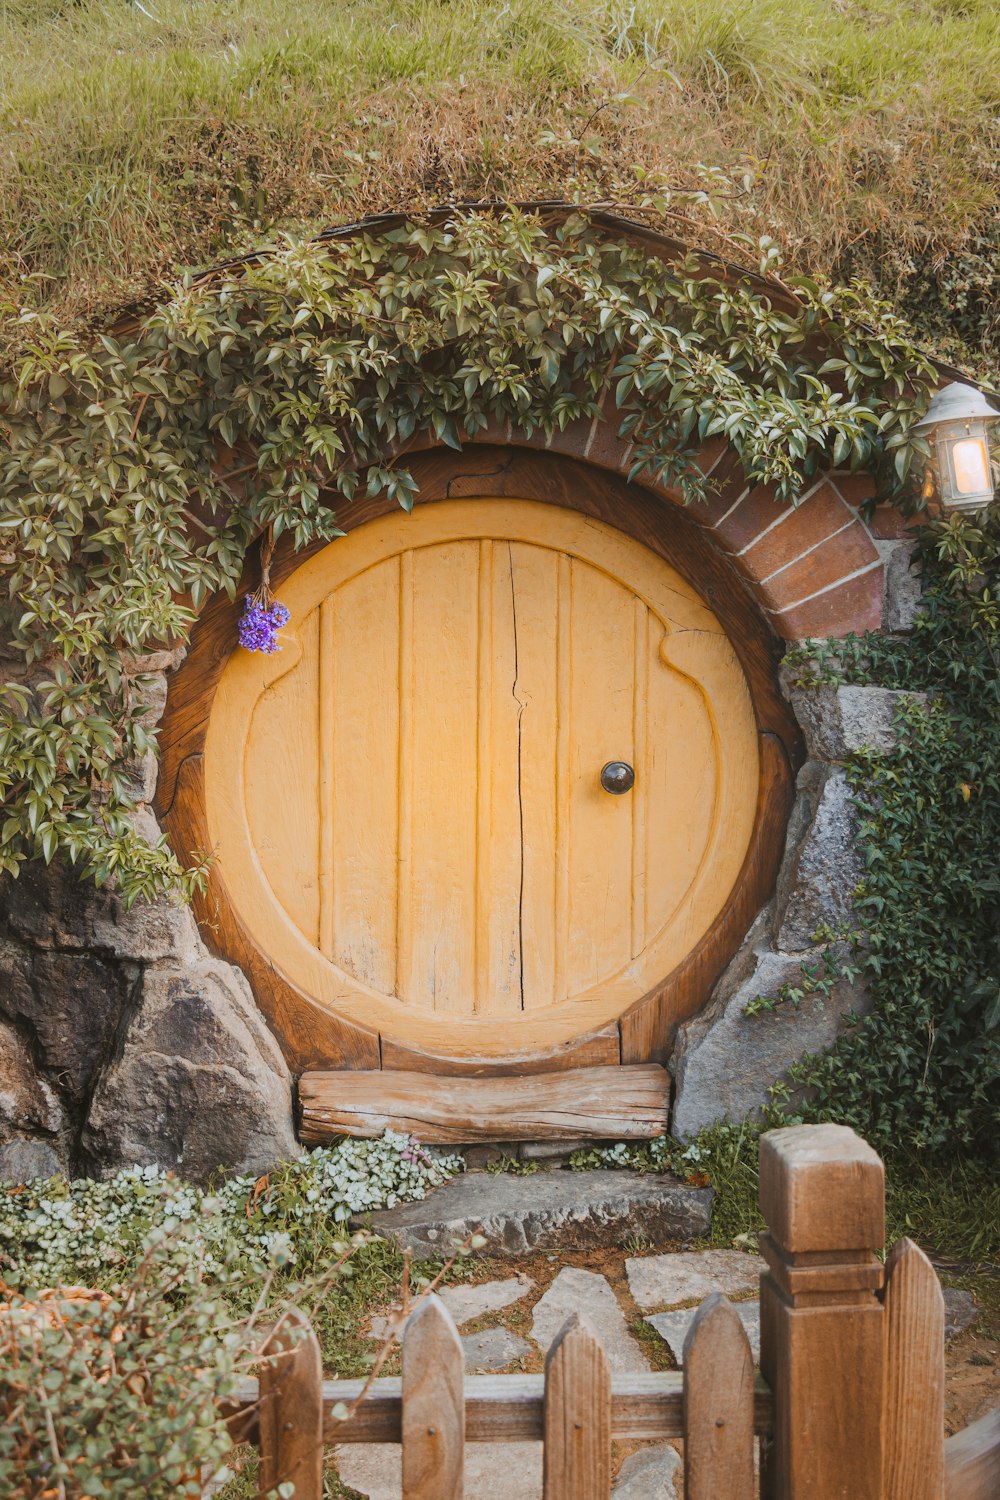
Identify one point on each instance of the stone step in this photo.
(547, 1211)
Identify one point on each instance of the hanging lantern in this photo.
(956, 421)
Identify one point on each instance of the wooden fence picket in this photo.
(433, 1421)
(290, 1405)
(718, 1405)
(577, 1464)
(913, 1382)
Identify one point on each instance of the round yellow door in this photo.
(415, 807)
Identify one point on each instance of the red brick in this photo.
(855, 488)
(574, 438)
(813, 521)
(607, 449)
(852, 608)
(834, 559)
(889, 525)
(711, 453)
(752, 516)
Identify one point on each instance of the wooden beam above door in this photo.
(604, 1103)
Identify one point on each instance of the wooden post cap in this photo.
(822, 1188)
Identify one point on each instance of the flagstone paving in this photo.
(673, 1327)
(492, 1350)
(648, 1474)
(468, 1302)
(659, 1281)
(503, 1471)
(589, 1294)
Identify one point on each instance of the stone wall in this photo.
(726, 1061)
(123, 1041)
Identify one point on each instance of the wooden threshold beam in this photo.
(620, 1103)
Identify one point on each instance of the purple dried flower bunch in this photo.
(262, 618)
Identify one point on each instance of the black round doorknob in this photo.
(617, 777)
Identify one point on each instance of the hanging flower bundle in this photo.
(263, 615)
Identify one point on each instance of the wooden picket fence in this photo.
(849, 1404)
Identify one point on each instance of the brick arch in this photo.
(815, 569)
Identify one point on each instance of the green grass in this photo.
(949, 1205)
(133, 143)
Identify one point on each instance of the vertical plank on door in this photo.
(682, 781)
(639, 793)
(563, 709)
(577, 1462)
(440, 974)
(718, 1405)
(600, 925)
(404, 779)
(365, 774)
(535, 574)
(433, 1420)
(913, 1378)
(281, 810)
(499, 814)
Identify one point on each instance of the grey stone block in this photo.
(839, 721)
(960, 1311)
(550, 1153)
(491, 1350)
(23, 1160)
(822, 866)
(648, 1474)
(726, 1061)
(50, 908)
(903, 590)
(27, 1103)
(200, 1083)
(659, 1281)
(519, 1215)
(673, 1327)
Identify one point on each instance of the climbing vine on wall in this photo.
(138, 468)
(924, 1065)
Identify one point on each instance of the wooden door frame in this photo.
(313, 1037)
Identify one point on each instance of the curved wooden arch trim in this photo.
(311, 1036)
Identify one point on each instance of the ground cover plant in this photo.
(186, 1280)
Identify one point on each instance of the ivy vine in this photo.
(924, 1065)
(137, 468)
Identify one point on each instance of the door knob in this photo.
(617, 777)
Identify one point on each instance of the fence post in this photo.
(822, 1193)
(291, 1409)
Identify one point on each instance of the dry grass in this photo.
(137, 138)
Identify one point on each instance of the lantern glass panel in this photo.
(971, 466)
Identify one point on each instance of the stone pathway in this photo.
(666, 1290)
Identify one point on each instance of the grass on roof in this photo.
(137, 136)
